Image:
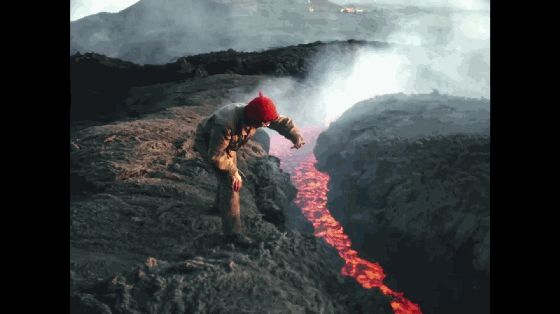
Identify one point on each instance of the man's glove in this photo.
(298, 143)
(236, 182)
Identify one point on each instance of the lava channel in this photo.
(312, 188)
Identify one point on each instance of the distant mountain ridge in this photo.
(155, 32)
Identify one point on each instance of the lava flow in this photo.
(312, 199)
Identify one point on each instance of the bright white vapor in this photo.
(372, 74)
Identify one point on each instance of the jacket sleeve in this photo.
(286, 127)
(220, 137)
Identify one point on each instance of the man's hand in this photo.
(299, 143)
(237, 182)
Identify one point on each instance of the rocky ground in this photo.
(410, 184)
(143, 238)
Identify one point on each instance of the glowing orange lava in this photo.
(312, 188)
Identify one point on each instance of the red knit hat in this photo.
(261, 109)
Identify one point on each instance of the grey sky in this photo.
(456, 4)
(81, 8)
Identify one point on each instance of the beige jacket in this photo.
(225, 132)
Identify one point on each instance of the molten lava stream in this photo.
(312, 188)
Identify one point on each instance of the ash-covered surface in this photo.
(281, 275)
(409, 181)
(143, 237)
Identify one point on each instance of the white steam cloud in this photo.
(437, 44)
(448, 52)
(372, 73)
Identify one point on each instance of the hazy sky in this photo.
(457, 4)
(81, 8)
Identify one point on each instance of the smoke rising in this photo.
(447, 51)
(435, 45)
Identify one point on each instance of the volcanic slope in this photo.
(142, 234)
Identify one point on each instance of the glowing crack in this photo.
(312, 188)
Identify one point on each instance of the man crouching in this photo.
(223, 133)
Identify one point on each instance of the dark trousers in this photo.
(227, 201)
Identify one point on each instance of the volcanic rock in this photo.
(410, 184)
